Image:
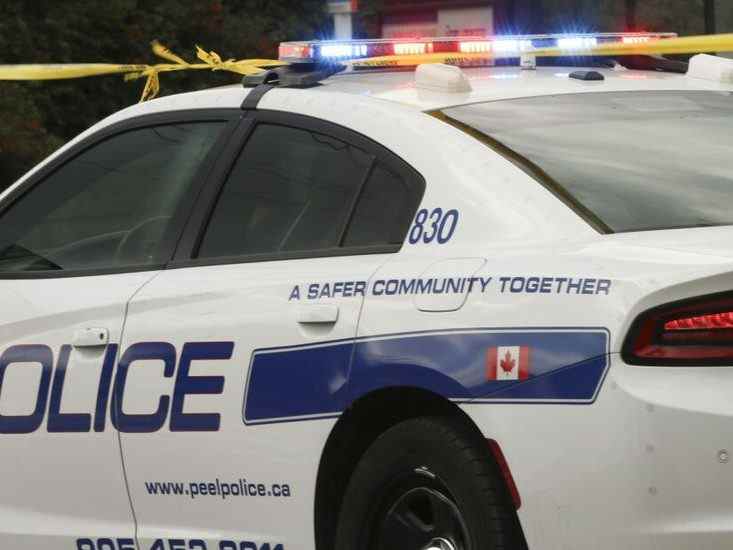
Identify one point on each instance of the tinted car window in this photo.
(382, 209)
(634, 160)
(108, 207)
(289, 190)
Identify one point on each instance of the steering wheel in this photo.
(139, 243)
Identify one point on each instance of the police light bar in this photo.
(476, 49)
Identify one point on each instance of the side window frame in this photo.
(230, 117)
(185, 255)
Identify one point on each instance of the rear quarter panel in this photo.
(588, 470)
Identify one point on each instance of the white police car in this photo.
(454, 309)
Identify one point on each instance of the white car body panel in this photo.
(615, 466)
(605, 466)
(53, 482)
(249, 305)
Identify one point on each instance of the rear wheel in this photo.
(426, 484)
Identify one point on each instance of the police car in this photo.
(473, 308)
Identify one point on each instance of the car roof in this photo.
(363, 101)
(487, 83)
(498, 83)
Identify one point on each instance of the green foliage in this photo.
(23, 138)
(38, 116)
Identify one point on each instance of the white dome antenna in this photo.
(438, 77)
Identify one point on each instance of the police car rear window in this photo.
(294, 190)
(290, 190)
(628, 161)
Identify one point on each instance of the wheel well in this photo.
(357, 428)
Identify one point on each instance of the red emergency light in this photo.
(494, 47)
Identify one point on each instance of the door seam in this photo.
(123, 465)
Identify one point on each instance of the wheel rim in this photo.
(422, 518)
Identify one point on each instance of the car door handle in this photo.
(317, 314)
(90, 337)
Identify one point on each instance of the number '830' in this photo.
(435, 225)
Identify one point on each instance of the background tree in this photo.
(36, 117)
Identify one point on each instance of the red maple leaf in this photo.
(507, 364)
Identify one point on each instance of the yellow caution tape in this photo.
(209, 61)
(212, 61)
(686, 45)
(59, 72)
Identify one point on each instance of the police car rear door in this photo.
(248, 336)
(78, 240)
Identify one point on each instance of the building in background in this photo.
(412, 18)
(343, 12)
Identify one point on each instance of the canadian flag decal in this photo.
(507, 363)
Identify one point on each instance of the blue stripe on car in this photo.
(321, 380)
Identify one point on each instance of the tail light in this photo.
(693, 332)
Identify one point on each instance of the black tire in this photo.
(408, 486)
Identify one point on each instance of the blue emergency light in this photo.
(495, 47)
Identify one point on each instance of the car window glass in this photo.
(635, 161)
(289, 190)
(110, 206)
(381, 212)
